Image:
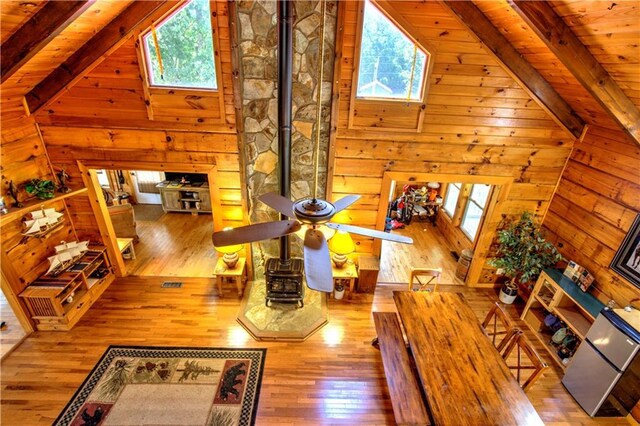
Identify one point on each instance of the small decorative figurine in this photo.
(63, 177)
(13, 192)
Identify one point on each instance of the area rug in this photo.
(148, 212)
(134, 385)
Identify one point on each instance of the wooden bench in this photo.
(409, 407)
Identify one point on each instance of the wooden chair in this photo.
(522, 346)
(434, 275)
(499, 327)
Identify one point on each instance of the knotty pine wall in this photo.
(597, 200)
(478, 121)
(103, 118)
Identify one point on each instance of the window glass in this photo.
(473, 212)
(451, 199)
(185, 43)
(103, 179)
(391, 65)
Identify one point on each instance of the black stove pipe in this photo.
(285, 89)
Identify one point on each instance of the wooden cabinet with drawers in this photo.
(58, 303)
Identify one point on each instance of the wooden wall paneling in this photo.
(566, 46)
(595, 204)
(107, 40)
(335, 97)
(520, 69)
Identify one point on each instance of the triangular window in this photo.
(392, 66)
(179, 51)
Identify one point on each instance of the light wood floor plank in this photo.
(335, 377)
(429, 250)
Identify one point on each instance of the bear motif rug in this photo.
(134, 385)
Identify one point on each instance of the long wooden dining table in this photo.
(465, 380)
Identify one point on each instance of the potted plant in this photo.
(523, 253)
(42, 189)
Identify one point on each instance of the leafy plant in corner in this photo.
(42, 189)
(523, 251)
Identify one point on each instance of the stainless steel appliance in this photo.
(604, 375)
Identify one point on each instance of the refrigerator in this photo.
(604, 374)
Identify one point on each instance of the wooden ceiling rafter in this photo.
(37, 32)
(94, 51)
(516, 66)
(567, 47)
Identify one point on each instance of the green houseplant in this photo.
(523, 251)
(42, 189)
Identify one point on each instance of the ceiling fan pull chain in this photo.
(319, 103)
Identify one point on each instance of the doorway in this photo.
(13, 329)
(162, 222)
(464, 204)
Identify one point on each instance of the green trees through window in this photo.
(391, 65)
(185, 43)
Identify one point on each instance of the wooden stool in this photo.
(236, 275)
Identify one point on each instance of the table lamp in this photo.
(341, 245)
(230, 253)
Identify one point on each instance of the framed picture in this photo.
(626, 262)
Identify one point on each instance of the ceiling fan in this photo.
(313, 211)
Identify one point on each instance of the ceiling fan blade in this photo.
(317, 262)
(345, 202)
(370, 233)
(278, 203)
(256, 232)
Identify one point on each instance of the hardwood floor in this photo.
(429, 249)
(12, 333)
(174, 245)
(335, 377)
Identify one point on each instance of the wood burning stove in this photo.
(284, 281)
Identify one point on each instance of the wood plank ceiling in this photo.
(15, 14)
(605, 28)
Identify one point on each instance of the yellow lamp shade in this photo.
(341, 243)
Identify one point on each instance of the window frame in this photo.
(358, 50)
(151, 92)
(145, 61)
(446, 196)
(470, 200)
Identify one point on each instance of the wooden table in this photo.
(346, 275)
(237, 275)
(125, 244)
(464, 378)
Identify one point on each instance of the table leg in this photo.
(239, 286)
(219, 282)
(132, 251)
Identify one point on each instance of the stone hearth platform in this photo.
(281, 321)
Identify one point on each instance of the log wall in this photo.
(477, 122)
(594, 207)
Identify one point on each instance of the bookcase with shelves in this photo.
(556, 294)
(58, 302)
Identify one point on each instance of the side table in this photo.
(235, 275)
(346, 276)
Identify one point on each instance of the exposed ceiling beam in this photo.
(568, 48)
(93, 52)
(521, 70)
(37, 32)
